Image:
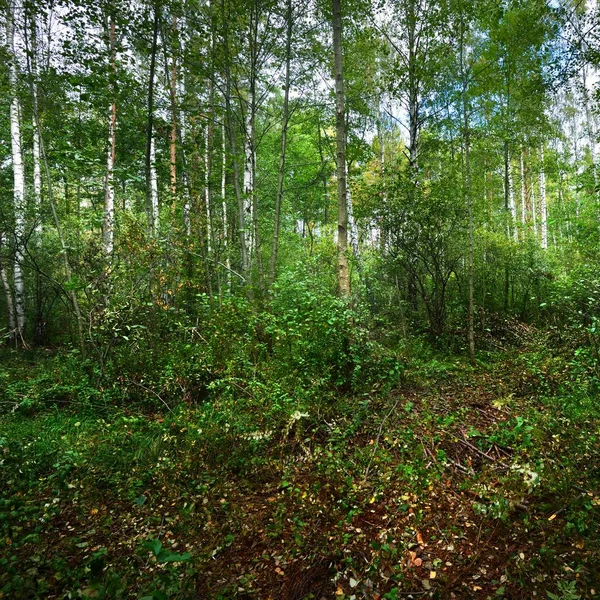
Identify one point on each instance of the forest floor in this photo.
(464, 483)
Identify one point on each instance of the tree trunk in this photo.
(18, 178)
(512, 204)
(207, 177)
(233, 146)
(10, 303)
(173, 132)
(591, 130)
(154, 219)
(523, 194)
(151, 183)
(109, 187)
(342, 242)
(282, 155)
(543, 205)
(50, 194)
(468, 194)
(224, 207)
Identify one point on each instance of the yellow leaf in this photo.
(552, 517)
(339, 591)
(432, 574)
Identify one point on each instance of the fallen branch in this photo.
(379, 436)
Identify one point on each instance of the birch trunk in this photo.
(543, 203)
(154, 222)
(233, 146)
(591, 130)
(37, 170)
(109, 187)
(224, 207)
(282, 155)
(512, 205)
(10, 304)
(342, 242)
(468, 194)
(18, 177)
(523, 194)
(534, 210)
(173, 132)
(151, 181)
(207, 170)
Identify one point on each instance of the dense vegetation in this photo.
(300, 299)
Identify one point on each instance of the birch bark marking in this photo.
(224, 207)
(37, 169)
(18, 176)
(523, 194)
(10, 304)
(109, 189)
(151, 182)
(153, 186)
(512, 204)
(342, 244)
(173, 134)
(543, 203)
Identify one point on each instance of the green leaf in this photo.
(167, 556)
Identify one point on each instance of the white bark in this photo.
(512, 206)
(523, 202)
(534, 208)
(248, 176)
(353, 229)
(224, 207)
(37, 169)
(207, 188)
(10, 304)
(37, 179)
(153, 186)
(109, 186)
(591, 130)
(18, 176)
(543, 204)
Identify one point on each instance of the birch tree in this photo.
(18, 174)
(340, 132)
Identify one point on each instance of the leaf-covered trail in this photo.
(476, 485)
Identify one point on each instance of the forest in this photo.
(300, 299)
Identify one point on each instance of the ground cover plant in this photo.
(454, 481)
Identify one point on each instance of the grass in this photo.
(466, 483)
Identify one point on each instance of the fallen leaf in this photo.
(432, 574)
(339, 591)
(420, 539)
(417, 562)
(552, 517)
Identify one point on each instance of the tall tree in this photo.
(18, 175)
(340, 131)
